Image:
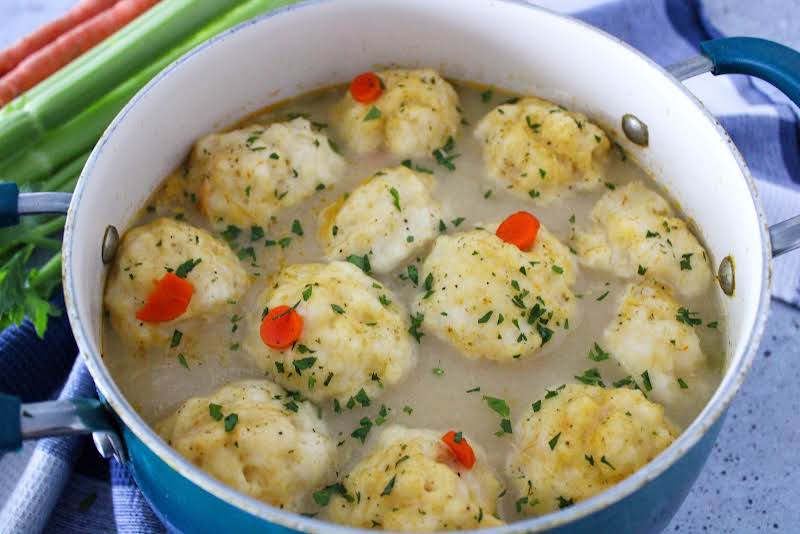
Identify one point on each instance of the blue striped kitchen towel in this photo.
(62, 485)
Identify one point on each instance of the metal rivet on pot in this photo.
(635, 130)
(726, 275)
(110, 244)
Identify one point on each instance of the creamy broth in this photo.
(440, 392)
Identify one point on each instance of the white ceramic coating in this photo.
(505, 43)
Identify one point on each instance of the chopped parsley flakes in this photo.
(646, 381)
(591, 377)
(444, 155)
(416, 323)
(498, 405)
(686, 262)
(372, 114)
(215, 411)
(297, 228)
(364, 426)
(230, 421)
(186, 267)
(176, 339)
(303, 363)
(387, 490)
(362, 262)
(323, 496)
(395, 198)
(688, 317)
(597, 354)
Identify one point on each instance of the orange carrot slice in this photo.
(24, 47)
(41, 64)
(281, 327)
(519, 229)
(460, 448)
(168, 300)
(366, 87)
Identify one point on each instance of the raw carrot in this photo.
(366, 87)
(281, 327)
(520, 229)
(462, 450)
(41, 64)
(168, 300)
(24, 47)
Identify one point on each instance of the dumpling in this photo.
(354, 333)
(146, 254)
(416, 113)
(257, 438)
(388, 217)
(633, 231)
(489, 299)
(243, 177)
(651, 334)
(580, 442)
(540, 151)
(410, 481)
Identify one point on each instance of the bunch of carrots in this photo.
(38, 55)
(60, 87)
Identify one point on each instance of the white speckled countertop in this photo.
(750, 482)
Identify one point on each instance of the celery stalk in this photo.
(65, 94)
(64, 180)
(82, 132)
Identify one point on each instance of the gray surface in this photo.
(749, 483)
(18, 17)
(770, 19)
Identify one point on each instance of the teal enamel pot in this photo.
(501, 42)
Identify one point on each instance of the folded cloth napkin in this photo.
(62, 485)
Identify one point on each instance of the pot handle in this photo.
(13, 203)
(772, 62)
(19, 422)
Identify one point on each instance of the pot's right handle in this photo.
(773, 63)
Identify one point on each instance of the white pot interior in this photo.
(504, 43)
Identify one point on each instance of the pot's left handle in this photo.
(10, 423)
(20, 422)
(772, 62)
(13, 203)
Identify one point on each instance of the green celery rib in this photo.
(82, 132)
(64, 180)
(65, 94)
(48, 276)
(12, 238)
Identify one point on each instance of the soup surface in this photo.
(444, 390)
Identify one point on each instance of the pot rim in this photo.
(713, 410)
